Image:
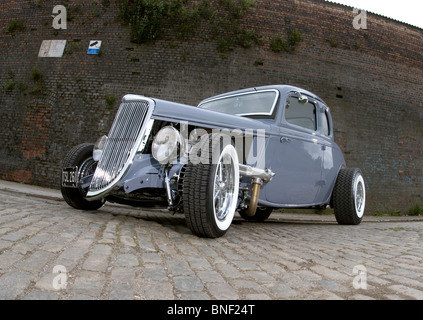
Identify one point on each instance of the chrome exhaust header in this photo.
(258, 177)
(264, 174)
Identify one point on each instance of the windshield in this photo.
(256, 103)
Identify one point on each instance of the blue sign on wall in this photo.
(94, 47)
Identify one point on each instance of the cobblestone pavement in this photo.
(51, 251)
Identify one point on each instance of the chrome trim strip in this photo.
(146, 135)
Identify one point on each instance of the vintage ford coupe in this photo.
(250, 151)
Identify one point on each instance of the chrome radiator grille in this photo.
(121, 146)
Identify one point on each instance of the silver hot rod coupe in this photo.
(248, 151)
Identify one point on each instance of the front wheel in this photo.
(81, 157)
(349, 197)
(210, 190)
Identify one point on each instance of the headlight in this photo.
(165, 145)
(98, 148)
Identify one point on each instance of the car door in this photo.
(332, 156)
(297, 155)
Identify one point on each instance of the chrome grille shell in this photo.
(124, 140)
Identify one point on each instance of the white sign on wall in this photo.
(52, 49)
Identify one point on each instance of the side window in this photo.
(325, 124)
(303, 115)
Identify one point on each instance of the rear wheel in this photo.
(81, 157)
(210, 190)
(349, 197)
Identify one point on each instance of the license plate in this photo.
(70, 177)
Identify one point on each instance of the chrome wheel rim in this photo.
(85, 169)
(224, 187)
(359, 196)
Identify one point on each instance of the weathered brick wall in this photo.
(371, 79)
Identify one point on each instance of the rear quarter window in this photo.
(325, 123)
(302, 115)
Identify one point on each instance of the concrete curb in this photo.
(52, 194)
(31, 190)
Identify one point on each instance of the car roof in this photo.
(283, 89)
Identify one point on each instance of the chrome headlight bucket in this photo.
(98, 148)
(165, 145)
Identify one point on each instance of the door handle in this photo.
(285, 139)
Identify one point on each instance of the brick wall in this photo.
(370, 78)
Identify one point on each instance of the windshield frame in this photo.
(269, 114)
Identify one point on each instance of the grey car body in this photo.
(286, 158)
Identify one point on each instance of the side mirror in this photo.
(303, 100)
